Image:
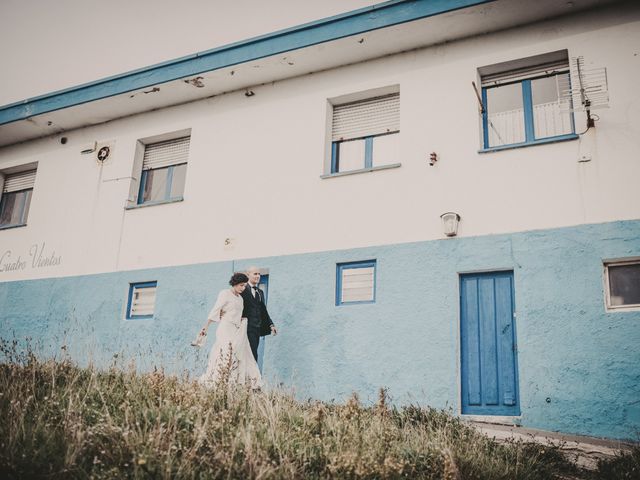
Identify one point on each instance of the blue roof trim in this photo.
(355, 22)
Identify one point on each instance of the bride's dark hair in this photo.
(238, 278)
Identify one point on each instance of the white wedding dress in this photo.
(231, 336)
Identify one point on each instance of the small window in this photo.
(356, 282)
(142, 300)
(622, 281)
(164, 169)
(365, 134)
(16, 198)
(526, 101)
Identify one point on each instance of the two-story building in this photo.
(443, 196)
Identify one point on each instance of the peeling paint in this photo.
(153, 90)
(196, 82)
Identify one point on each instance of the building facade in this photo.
(327, 154)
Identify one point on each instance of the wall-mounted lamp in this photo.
(450, 223)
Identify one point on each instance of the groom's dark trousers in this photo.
(258, 320)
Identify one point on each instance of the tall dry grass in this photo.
(62, 421)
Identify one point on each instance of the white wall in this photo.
(270, 149)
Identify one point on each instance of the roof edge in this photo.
(355, 22)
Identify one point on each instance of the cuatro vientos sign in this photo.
(37, 257)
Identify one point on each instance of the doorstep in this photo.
(582, 450)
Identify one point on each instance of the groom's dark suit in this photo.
(258, 320)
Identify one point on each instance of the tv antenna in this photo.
(588, 90)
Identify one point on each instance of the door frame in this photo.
(503, 419)
(261, 345)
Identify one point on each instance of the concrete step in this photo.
(583, 451)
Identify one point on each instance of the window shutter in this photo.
(19, 181)
(143, 301)
(164, 154)
(520, 74)
(373, 116)
(357, 284)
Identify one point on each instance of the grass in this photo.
(62, 421)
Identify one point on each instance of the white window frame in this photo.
(607, 290)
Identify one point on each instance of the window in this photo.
(622, 281)
(16, 198)
(142, 300)
(355, 282)
(164, 169)
(365, 134)
(526, 101)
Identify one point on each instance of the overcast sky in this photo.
(49, 45)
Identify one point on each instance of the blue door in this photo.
(264, 286)
(489, 364)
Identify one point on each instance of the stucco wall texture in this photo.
(579, 365)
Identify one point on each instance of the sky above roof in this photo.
(48, 46)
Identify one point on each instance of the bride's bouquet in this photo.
(200, 339)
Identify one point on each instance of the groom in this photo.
(259, 322)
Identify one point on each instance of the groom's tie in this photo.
(256, 295)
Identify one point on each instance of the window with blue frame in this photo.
(356, 282)
(164, 169)
(16, 198)
(142, 300)
(526, 101)
(365, 134)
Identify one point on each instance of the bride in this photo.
(231, 353)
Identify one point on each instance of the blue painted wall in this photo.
(570, 350)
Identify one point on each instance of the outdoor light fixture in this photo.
(450, 223)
